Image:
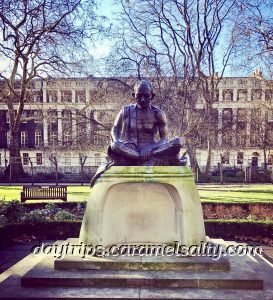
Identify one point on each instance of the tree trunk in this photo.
(81, 174)
(208, 164)
(15, 167)
(56, 174)
(192, 155)
(265, 165)
(221, 171)
(271, 173)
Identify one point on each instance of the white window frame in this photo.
(240, 158)
(53, 138)
(24, 139)
(67, 138)
(7, 117)
(39, 159)
(38, 138)
(8, 138)
(25, 159)
(97, 159)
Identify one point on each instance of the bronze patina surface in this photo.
(139, 135)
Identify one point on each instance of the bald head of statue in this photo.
(143, 93)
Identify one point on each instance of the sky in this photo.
(102, 48)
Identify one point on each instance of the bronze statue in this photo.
(139, 135)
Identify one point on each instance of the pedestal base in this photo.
(144, 205)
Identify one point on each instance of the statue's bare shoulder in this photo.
(160, 116)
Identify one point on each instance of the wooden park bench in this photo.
(44, 193)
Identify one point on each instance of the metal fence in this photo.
(72, 169)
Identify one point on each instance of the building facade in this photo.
(244, 125)
(70, 120)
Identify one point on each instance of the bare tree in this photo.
(255, 37)
(39, 37)
(180, 43)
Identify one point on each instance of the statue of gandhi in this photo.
(139, 135)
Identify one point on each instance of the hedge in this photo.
(229, 229)
(69, 229)
(212, 210)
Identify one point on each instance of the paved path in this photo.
(15, 261)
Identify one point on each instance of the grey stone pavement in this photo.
(9, 256)
(16, 260)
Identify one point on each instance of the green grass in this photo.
(208, 193)
(254, 193)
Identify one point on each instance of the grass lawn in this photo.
(252, 193)
(225, 193)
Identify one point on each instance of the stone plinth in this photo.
(144, 205)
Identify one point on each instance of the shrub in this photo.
(64, 215)
(35, 216)
(237, 212)
(12, 210)
(3, 220)
(51, 209)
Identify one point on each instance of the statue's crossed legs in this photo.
(154, 154)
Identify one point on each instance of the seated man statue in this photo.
(139, 135)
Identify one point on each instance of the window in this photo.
(39, 159)
(52, 116)
(39, 97)
(268, 95)
(255, 159)
(25, 159)
(97, 159)
(225, 158)
(7, 117)
(24, 117)
(227, 95)
(79, 83)
(240, 158)
(96, 139)
(38, 116)
(8, 138)
(24, 140)
(242, 95)
(66, 96)
(52, 96)
(242, 81)
(256, 95)
(53, 138)
(67, 159)
(67, 138)
(80, 96)
(270, 115)
(38, 138)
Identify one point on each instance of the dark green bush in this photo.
(11, 210)
(35, 216)
(229, 229)
(12, 233)
(64, 215)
